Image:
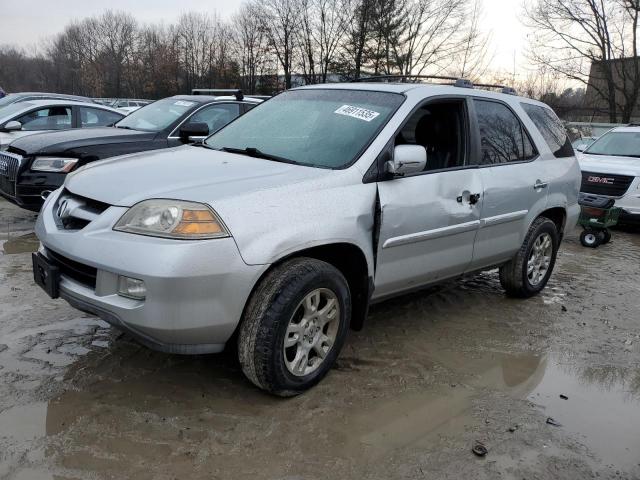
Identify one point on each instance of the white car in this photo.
(611, 168)
(39, 116)
(126, 106)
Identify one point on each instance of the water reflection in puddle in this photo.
(185, 401)
(21, 244)
(602, 409)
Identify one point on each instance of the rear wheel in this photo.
(606, 236)
(294, 326)
(590, 238)
(529, 271)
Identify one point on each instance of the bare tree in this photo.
(251, 47)
(281, 20)
(472, 61)
(324, 24)
(358, 33)
(586, 40)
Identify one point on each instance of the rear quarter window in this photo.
(551, 129)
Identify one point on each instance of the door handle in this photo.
(538, 185)
(472, 198)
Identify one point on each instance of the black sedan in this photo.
(36, 165)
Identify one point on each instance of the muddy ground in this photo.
(431, 373)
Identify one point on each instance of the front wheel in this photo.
(529, 271)
(294, 326)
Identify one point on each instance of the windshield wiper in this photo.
(124, 127)
(256, 153)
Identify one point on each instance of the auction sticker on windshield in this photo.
(182, 103)
(357, 112)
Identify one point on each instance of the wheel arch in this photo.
(557, 215)
(351, 261)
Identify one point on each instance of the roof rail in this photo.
(236, 92)
(455, 81)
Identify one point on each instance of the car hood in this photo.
(65, 140)
(610, 164)
(185, 173)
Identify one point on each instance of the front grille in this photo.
(78, 271)
(9, 166)
(605, 184)
(74, 212)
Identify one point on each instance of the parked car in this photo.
(128, 105)
(299, 214)
(611, 168)
(28, 118)
(38, 165)
(31, 96)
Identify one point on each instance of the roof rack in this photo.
(218, 92)
(455, 81)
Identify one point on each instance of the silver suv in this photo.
(284, 226)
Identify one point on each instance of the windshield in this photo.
(317, 128)
(9, 99)
(9, 110)
(156, 116)
(620, 144)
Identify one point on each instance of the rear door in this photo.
(429, 220)
(515, 181)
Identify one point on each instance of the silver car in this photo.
(39, 116)
(287, 224)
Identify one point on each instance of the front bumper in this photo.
(630, 204)
(27, 189)
(196, 290)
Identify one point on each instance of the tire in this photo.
(514, 275)
(590, 239)
(606, 236)
(281, 309)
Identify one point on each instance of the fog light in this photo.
(131, 288)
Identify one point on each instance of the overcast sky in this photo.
(27, 23)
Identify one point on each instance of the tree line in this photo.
(267, 46)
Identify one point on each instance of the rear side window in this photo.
(502, 136)
(551, 129)
(95, 117)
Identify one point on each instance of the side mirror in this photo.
(194, 131)
(580, 148)
(407, 159)
(12, 126)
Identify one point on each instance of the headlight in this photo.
(172, 219)
(53, 164)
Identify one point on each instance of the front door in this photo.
(429, 220)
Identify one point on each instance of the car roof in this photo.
(61, 95)
(210, 98)
(64, 101)
(627, 128)
(426, 89)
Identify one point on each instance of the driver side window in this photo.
(52, 118)
(440, 129)
(216, 116)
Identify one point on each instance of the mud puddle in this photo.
(17, 244)
(169, 407)
(602, 408)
